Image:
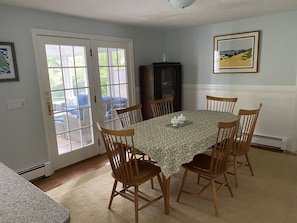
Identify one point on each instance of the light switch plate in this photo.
(15, 104)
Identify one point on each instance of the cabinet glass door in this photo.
(168, 82)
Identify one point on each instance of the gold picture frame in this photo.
(236, 53)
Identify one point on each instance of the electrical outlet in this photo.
(15, 104)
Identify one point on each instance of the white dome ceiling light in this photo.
(181, 3)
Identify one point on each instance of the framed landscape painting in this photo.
(236, 53)
(8, 66)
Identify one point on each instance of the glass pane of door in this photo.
(70, 96)
(113, 83)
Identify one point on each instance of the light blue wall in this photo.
(278, 46)
(22, 135)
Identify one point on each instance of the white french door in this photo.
(82, 80)
(66, 75)
(115, 79)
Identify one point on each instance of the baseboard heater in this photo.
(35, 172)
(270, 141)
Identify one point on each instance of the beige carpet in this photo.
(269, 196)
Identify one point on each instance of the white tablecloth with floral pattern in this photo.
(171, 147)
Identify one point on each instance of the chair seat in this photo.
(200, 164)
(139, 152)
(146, 169)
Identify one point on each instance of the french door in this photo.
(116, 86)
(82, 82)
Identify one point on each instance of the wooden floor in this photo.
(68, 173)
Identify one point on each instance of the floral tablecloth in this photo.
(171, 147)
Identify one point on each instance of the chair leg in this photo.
(152, 180)
(182, 185)
(249, 164)
(235, 170)
(160, 183)
(162, 189)
(214, 197)
(152, 183)
(198, 178)
(136, 203)
(228, 184)
(112, 193)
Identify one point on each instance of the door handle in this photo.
(49, 106)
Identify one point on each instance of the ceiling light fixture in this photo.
(181, 3)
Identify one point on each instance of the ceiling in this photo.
(160, 13)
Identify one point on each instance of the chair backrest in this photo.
(120, 150)
(220, 104)
(247, 124)
(162, 106)
(221, 150)
(130, 115)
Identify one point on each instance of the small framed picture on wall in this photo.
(8, 65)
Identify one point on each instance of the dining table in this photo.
(171, 146)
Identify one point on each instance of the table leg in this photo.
(166, 187)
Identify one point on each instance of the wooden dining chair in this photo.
(210, 167)
(127, 169)
(129, 116)
(220, 104)
(241, 146)
(162, 106)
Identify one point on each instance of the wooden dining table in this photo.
(173, 146)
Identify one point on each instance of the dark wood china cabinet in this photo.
(160, 80)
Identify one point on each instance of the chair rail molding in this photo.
(278, 115)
